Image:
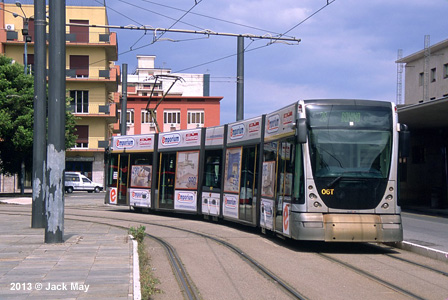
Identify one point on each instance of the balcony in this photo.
(98, 110)
(106, 40)
(95, 74)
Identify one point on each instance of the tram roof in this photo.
(348, 102)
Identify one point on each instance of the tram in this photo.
(321, 170)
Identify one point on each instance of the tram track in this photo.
(371, 277)
(244, 256)
(418, 264)
(185, 282)
(189, 288)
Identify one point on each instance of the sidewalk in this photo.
(94, 262)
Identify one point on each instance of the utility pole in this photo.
(54, 205)
(40, 114)
(240, 80)
(124, 99)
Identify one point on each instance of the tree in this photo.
(17, 119)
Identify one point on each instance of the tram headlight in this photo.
(313, 196)
(317, 204)
(389, 197)
(391, 189)
(385, 206)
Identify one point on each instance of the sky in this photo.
(348, 48)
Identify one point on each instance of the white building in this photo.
(187, 104)
(431, 62)
(143, 80)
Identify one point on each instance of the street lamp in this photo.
(25, 32)
(25, 61)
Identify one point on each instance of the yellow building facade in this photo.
(91, 76)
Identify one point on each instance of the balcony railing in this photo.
(71, 38)
(68, 2)
(97, 109)
(98, 73)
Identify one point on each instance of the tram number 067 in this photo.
(327, 191)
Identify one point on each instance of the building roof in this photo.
(429, 114)
(420, 54)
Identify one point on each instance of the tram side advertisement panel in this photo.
(267, 214)
(230, 207)
(113, 195)
(186, 181)
(286, 219)
(210, 204)
(140, 197)
(185, 200)
(187, 170)
(232, 176)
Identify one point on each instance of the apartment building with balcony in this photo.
(91, 76)
(187, 103)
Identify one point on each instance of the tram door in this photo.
(247, 205)
(167, 171)
(211, 185)
(122, 177)
(284, 186)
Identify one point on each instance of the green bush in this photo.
(147, 280)
(138, 233)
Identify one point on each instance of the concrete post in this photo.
(240, 80)
(54, 205)
(40, 115)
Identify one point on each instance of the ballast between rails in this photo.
(322, 170)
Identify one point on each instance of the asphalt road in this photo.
(425, 230)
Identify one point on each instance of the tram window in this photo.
(286, 168)
(212, 169)
(270, 151)
(123, 178)
(249, 175)
(113, 171)
(166, 180)
(299, 181)
(287, 180)
(269, 169)
(141, 170)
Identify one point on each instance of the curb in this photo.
(422, 250)
(136, 270)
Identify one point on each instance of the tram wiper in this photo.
(331, 183)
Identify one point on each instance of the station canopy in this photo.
(425, 115)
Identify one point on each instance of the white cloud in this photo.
(272, 15)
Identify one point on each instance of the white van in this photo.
(75, 181)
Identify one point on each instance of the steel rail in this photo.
(252, 262)
(417, 264)
(185, 282)
(181, 274)
(372, 277)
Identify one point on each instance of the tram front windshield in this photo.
(350, 149)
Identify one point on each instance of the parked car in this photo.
(75, 181)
